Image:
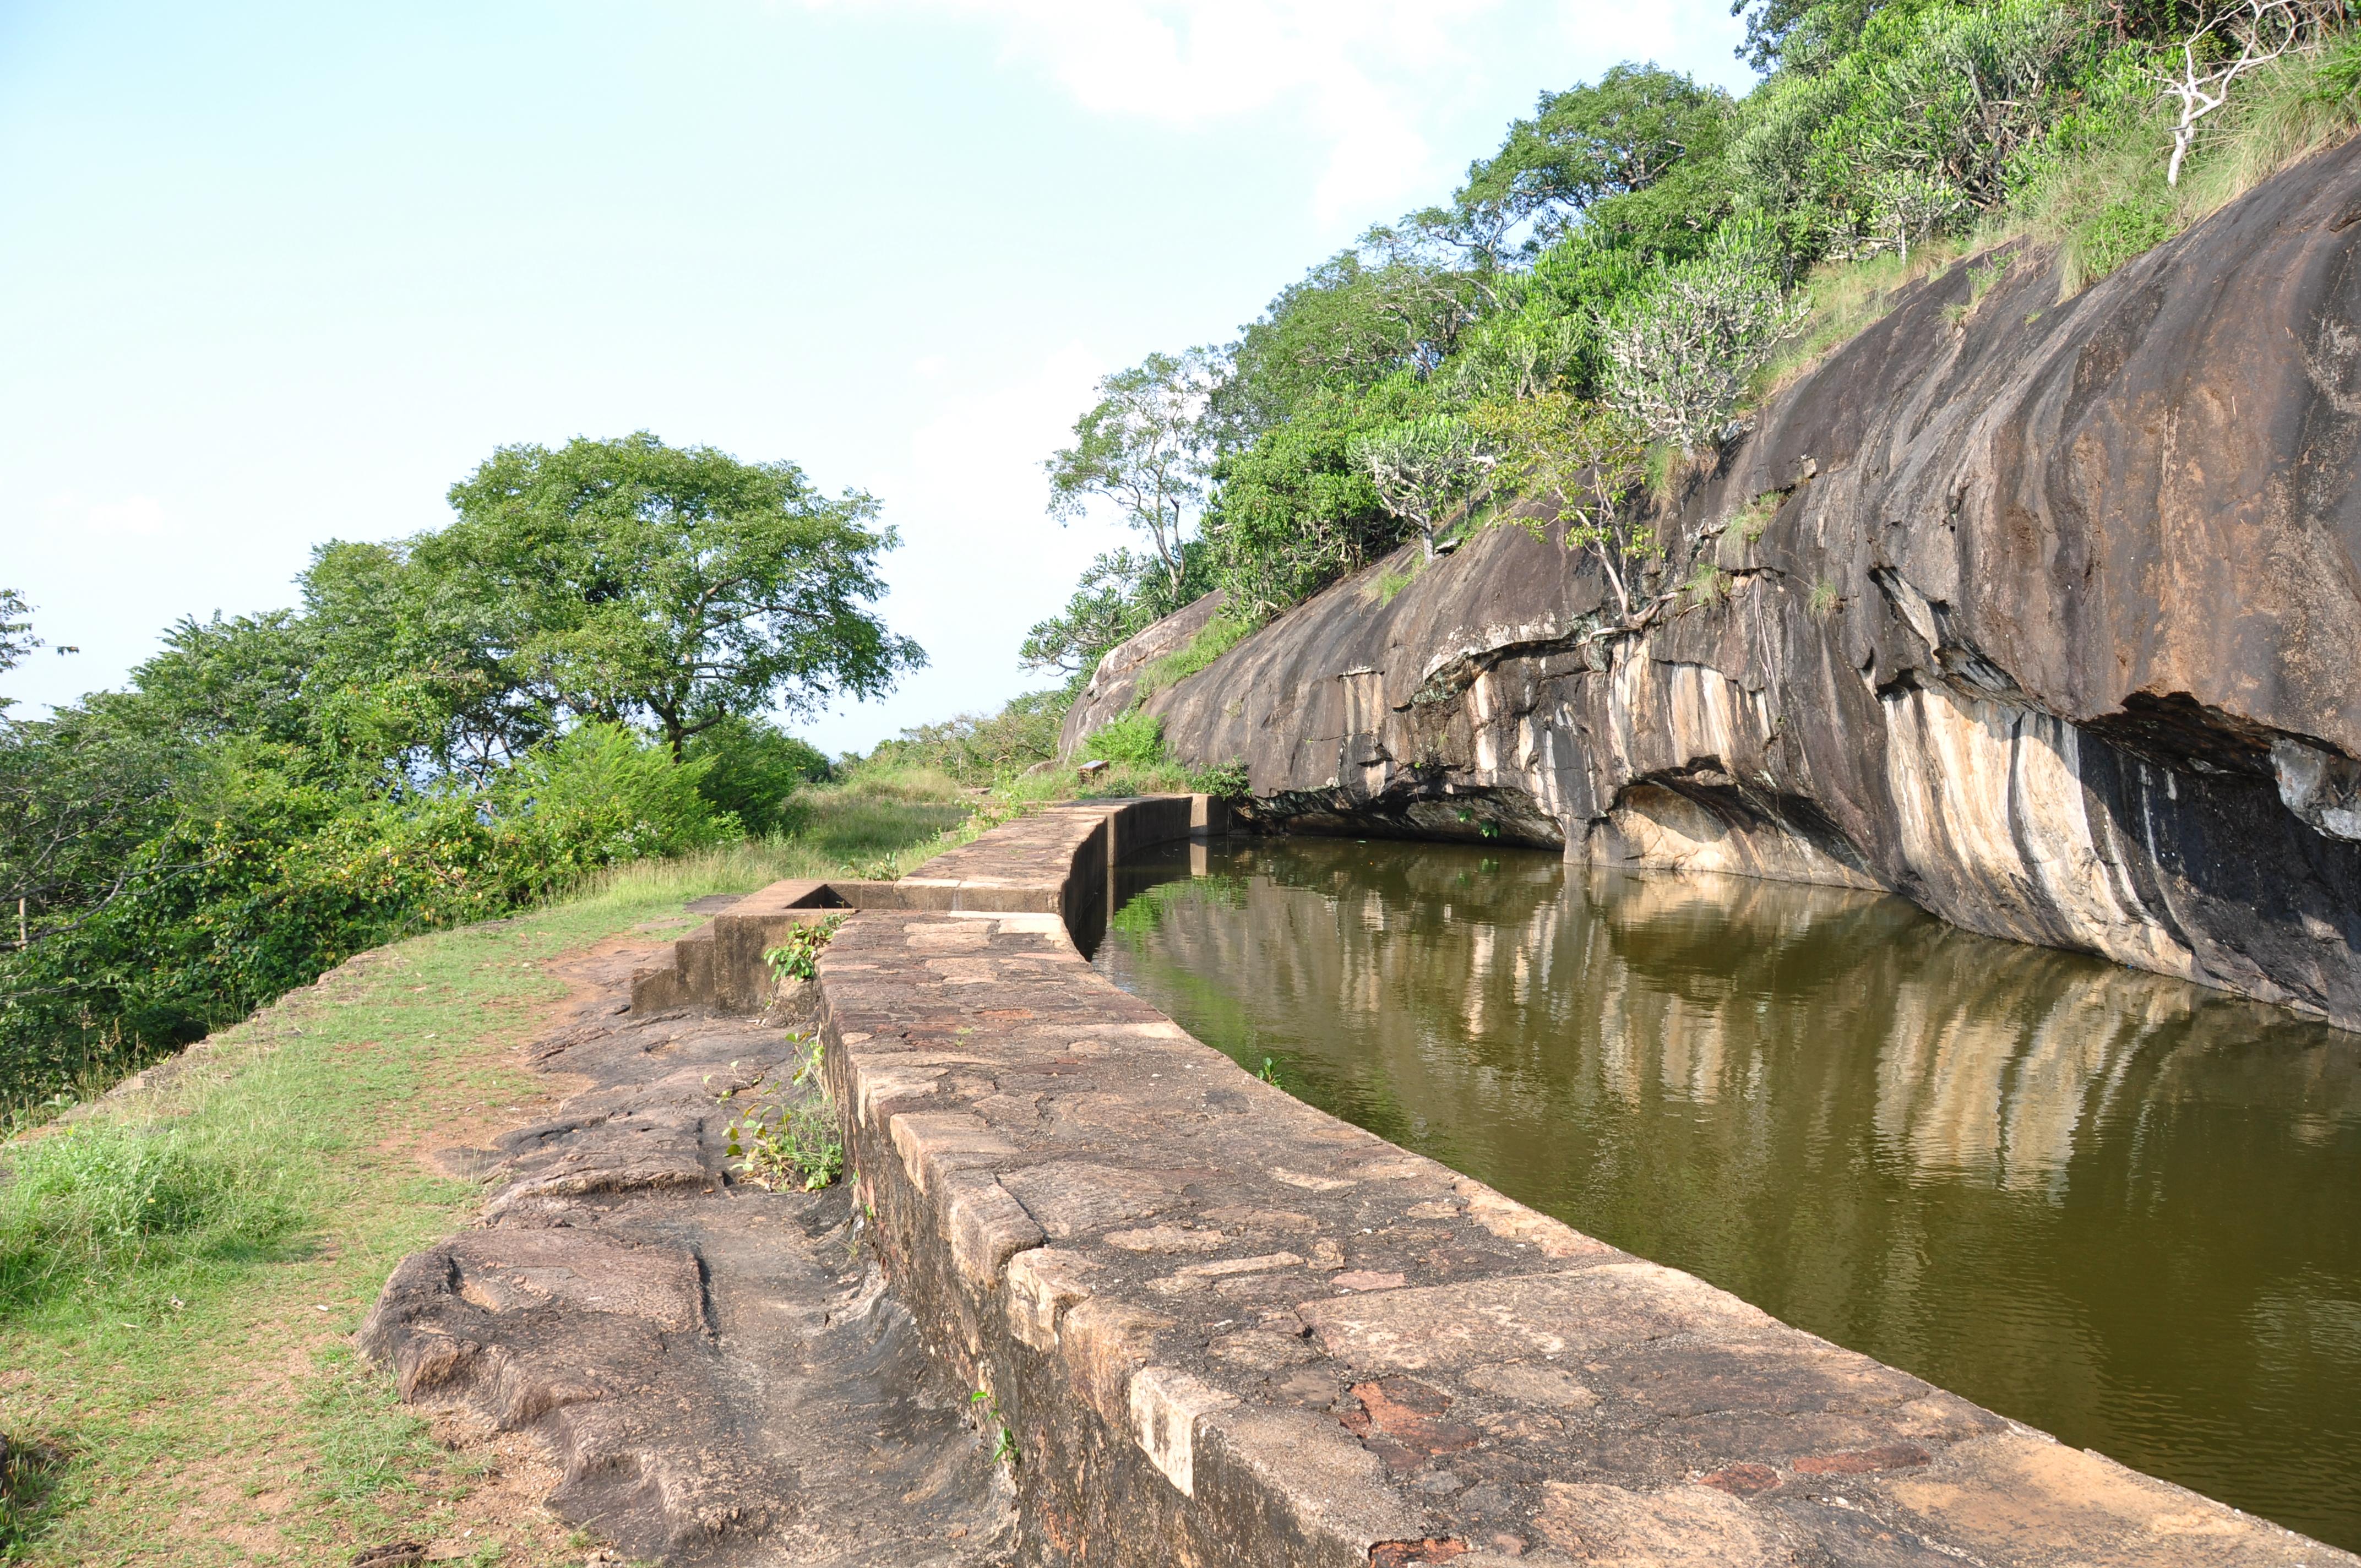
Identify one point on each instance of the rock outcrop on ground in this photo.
(717, 1368)
(2044, 612)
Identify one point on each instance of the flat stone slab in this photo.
(717, 1368)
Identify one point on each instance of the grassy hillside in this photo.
(181, 1270)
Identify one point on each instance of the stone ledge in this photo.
(1054, 863)
(1222, 1326)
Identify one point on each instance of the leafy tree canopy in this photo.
(1617, 136)
(633, 582)
(1400, 302)
(1142, 447)
(17, 638)
(449, 726)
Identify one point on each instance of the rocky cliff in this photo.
(2042, 611)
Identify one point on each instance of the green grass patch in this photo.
(181, 1271)
(1390, 584)
(1212, 639)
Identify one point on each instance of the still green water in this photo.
(2116, 1207)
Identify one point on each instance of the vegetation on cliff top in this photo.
(1645, 255)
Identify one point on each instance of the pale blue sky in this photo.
(274, 274)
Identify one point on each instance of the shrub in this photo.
(1426, 470)
(602, 794)
(1295, 512)
(975, 749)
(1136, 736)
(753, 771)
(1683, 347)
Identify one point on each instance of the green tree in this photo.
(1682, 346)
(414, 669)
(632, 582)
(1143, 446)
(1107, 607)
(1391, 305)
(1577, 464)
(1617, 136)
(17, 638)
(1426, 471)
(1297, 509)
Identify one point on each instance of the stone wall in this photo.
(1218, 1325)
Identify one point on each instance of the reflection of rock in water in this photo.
(1987, 1057)
(2116, 1205)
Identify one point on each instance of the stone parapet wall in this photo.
(1055, 863)
(1221, 1326)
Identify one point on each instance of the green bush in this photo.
(975, 749)
(1295, 512)
(264, 880)
(1136, 738)
(752, 771)
(602, 794)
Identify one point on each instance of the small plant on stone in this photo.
(1226, 784)
(798, 958)
(783, 1144)
(815, 1056)
(1707, 585)
(1750, 521)
(1824, 600)
(1269, 1073)
(987, 1413)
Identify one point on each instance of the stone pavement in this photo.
(716, 1369)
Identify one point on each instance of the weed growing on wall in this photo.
(798, 958)
(1136, 736)
(985, 1408)
(786, 1138)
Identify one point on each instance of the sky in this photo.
(272, 275)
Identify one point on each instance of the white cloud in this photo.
(979, 563)
(979, 452)
(132, 517)
(1339, 65)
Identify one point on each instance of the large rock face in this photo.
(2055, 629)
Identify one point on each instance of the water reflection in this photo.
(2115, 1206)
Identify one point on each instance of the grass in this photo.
(1848, 298)
(1751, 519)
(1707, 584)
(2104, 205)
(1216, 637)
(181, 1272)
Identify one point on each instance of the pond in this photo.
(2120, 1208)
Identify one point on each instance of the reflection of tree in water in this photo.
(2114, 1205)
